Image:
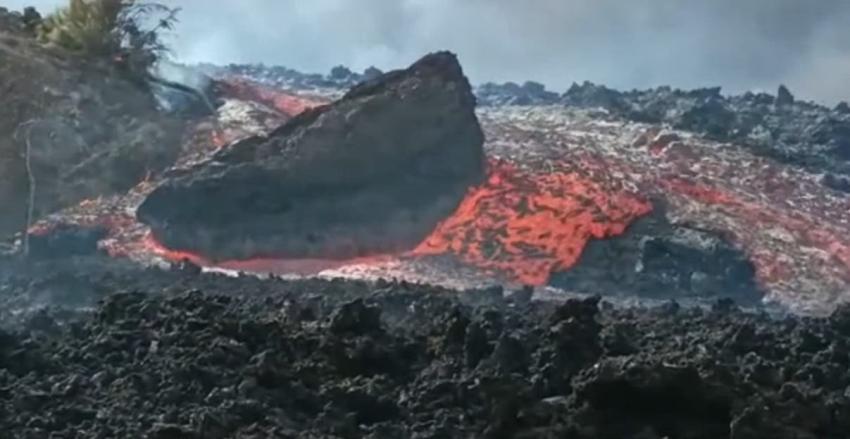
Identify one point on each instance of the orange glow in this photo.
(260, 265)
(770, 267)
(286, 103)
(529, 226)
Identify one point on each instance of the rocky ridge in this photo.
(799, 133)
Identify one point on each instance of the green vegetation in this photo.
(127, 31)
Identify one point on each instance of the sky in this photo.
(737, 44)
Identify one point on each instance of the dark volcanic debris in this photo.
(347, 360)
(795, 132)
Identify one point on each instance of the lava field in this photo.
(179, 354)
(405, 255)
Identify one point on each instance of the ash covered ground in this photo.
(647, 264)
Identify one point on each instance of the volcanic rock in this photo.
(799, 133)
(659, 260)
(341, 73)
(356, 317)
(370, 173)
(66, 241)
(372, 73)
(588, 95)
(402, 360)
(510, 93)
(340, 77)
(784, 96)
(835, 182)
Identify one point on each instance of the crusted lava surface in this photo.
(191, 355)
(373, 172)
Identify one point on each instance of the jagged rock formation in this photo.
(796, 132)
(656, 259)
(90, 131)
(372, 172)
(340, 77)
(511, 93)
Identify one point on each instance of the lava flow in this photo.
(286, 103)
(304, 267)
(516, 225)
(528, 226)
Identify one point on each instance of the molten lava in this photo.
(286, 103)
(260, 264)
(528, 226)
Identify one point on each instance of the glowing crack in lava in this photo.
(528, 225)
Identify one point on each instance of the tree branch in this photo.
(25, 240)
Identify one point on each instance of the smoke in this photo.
(738, 44)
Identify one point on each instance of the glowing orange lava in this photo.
(260, 264)
(286, 103)
(530, 226)
(770, 267)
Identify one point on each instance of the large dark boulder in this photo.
(655, 259)
(373, 172)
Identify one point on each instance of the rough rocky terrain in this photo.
(182, 355)
(90, 131)
(672, 198)
(777, 126)
(373, 172)
(280, 77)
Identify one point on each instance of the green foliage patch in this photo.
(128, 31)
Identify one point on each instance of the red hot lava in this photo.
(286, 103)
(528, 226)
(259, 264)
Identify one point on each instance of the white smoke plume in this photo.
(738, 44)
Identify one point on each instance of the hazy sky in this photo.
(738, 44)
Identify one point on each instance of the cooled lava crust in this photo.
(256, 358)
(373, 172)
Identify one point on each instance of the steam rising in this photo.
(751, 44)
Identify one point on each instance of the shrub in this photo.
(128, 31)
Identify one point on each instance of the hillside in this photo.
(89, 129)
